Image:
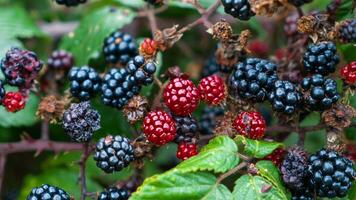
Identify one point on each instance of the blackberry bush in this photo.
(46, 191)
(80, 121)
(84, 82)
(252, 79)
(330, 174)
(319, 93)
(320, 58)
(113, 153)
(119, 48)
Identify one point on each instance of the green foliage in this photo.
(25, 117)
(345, 10)
(217, 156)
(256, 148)
(86, 41)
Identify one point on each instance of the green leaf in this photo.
(249, 187)
(345, 10)
(86, 41)
(219, 155)
(257, 148)
(268, 171)
(348, 51)
(25, 117)
(130, 3)
(177, 185)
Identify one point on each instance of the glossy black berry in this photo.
(20, 67)
(84, 82)
(319, 93)
(114, 193)
(320, 58)
(80, 121)
(330, 174)
(252, 79)
(60, 60)
(113, 153)
(347, 31)
(208, 119)
(119, 48)
(284, 97)
(240, 9)
(299, 2)
(70, 2)
(186, 128)
(210, 67)
(49, 192)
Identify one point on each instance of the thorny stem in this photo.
(44, 130)
(82, 178)
(2, 168)
(230, 172)
(152, 21)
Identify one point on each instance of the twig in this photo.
(197, 6)
(35, 145)
(230, 172)
(82, 178)
(152, 21)
(2, 168)
(44, 130)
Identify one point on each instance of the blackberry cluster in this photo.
(20, 67)
(252, 79)
(2, 91)
(320, 58)
(210, 67)
(186, 128)
(71, 2)
(120, 85)
(347, 31)
(284, 97)
(60, 60)
(319, 93)
(84, 82)
(113, 153)
(114, 193)
(330, 174)
(299, 2)
(119, 48)
(240, 9)
(80, 121)
(46, 191)
(293, 168)
(208, 119)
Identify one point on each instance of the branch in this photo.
(230, 172)
(38, 145)
(2, 168)
(82, 178)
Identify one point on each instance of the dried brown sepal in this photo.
(51, 108)
(175, 72)
(224, 125)
(221, 30)
(339, 116)
(306, 24)
(142, 149)
(135, 109)
(268, 7)
(236, 104)
(334, 140)
(167, 38)
(317, 26)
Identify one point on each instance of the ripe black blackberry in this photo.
(240, 9)
(319, 93)
(208, 119)
(60, 59)
(330, 174)
(320, 58)
(20, 67)
(299, 2)
(114, 193)
(80, 121)
(347, 31)
(120, 85)
(293, 168)
(113, 153)
(119, 48)
(186, 128)
(252, 79)
(285, 97)
(210, 67)
(70, 2)
(46, 191)
(84, 82)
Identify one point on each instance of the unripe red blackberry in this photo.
(276, 156)
(70, 2)
(181, 96)
(114, 193)
(212, 90)
(113, 153)
(13, 101)
(60, 59)
(348, 73)
(158, 127)
(148, 47)
(20, 67)
(250, 124)
(48, 192)
(186, 150)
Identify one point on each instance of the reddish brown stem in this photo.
(36, 145)
(82, 178)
